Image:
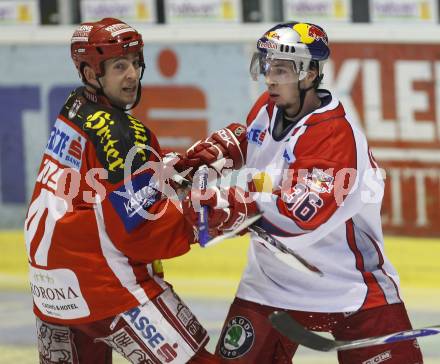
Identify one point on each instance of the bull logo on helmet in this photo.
(310, 33)
(318, 34)
(272, 35)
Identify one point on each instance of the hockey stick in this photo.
(286, 325)
(280, 250)
(230, 234)
(202, 178)
(284, 253)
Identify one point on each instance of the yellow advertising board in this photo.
(424, 11)
(209, 11)
(317, 10)
(19, 12)
(131, 11)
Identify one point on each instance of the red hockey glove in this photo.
(228, 208)
(176, 161)
(226, 148)
(176, 173)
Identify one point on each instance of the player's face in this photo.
(282, 84)
(121, 79)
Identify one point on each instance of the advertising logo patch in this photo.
(240, 130)
(57, 293)
(237, 338)
(272, 35)
(267, 44)
(102, 124)
(288, 156)
(135, 348)
(129, 202)
(256, 136)
(82, 33)
(144, 327)
(74, 109)
(65, 145)
(379, 358)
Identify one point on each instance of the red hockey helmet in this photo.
(93, 43)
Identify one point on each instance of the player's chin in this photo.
(128, 98)
(277, 98)
(280, 102)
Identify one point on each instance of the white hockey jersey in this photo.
(321, 192)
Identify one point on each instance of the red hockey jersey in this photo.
(98, 223)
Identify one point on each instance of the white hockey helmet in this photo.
(301, 43)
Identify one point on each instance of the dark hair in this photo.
(314, 66)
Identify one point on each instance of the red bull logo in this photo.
(266, 45)
(317, 34)
(272, 35)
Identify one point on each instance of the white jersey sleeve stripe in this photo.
(117, 261)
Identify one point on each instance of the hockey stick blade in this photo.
(284, 253)
(280, 251)
(286, 325)
(246, 223)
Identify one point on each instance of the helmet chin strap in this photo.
(302, 96)
(303, 92)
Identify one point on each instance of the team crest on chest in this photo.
(319, 181)
(237, 338)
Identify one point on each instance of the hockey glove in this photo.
(226, 148)
(176, 173)
(228, 208)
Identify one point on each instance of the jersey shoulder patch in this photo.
(66, 145)
(132, 200)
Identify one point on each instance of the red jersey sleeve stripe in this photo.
(375, 296)
(380, 265)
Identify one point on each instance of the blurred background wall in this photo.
(384, 67)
